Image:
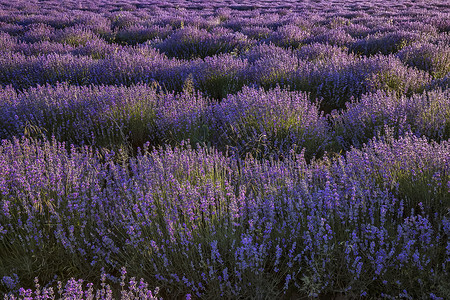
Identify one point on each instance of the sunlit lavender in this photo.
(224, 149)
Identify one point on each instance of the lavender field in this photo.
(224, 149)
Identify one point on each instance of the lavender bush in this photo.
(424, 114)
(388, 43)
(432, 58)
(190, 42)
(74, 36)
(78, 289)
(288, 36)
(38, 32)
(264, 123)
(337, 80)
(24, 71)
(137, 34)
(218, 75)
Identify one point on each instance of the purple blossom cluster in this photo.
(224, 149)
(78, 289)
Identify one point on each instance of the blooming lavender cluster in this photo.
(78, 289)
(224, 149)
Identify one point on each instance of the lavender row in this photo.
(263, 123)
(191, 41)
(253, 121)
(126, 19)
(205, 36)
(333, 79)
(374, 223)
(240, 7)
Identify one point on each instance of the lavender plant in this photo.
(338, 80)
(263, 123)
(8, 42)
(319, 52)
(24, 71)
(138, 34)
(42, 48)
(74, 36)
(256, 32)
(288, 36)
(271, 66)
(130, 68)
(12, 29)
(388, 43)
(38, 32)
(443, 83)
(190, 42)
(96, 49)
(423, 114)
(335, 37)
(217, 76)
(79, 289)
(432, 58)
